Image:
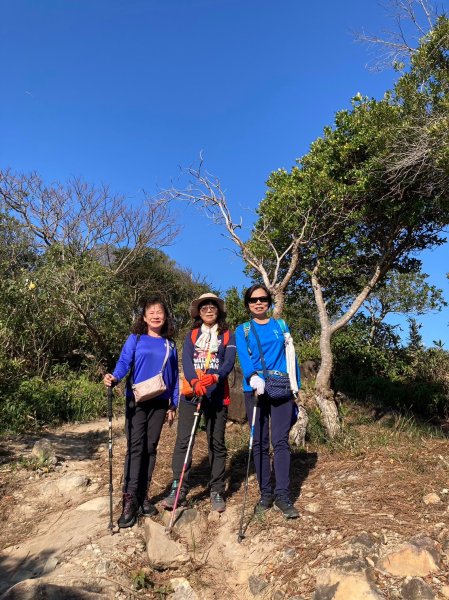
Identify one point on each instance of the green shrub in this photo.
(35, 402)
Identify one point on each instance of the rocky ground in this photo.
(374, 521)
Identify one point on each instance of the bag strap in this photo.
(131, 370)
(194, 334)
(259, 345)
(246, 330)
(167, 352)
(282, 325)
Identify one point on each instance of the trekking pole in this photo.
(245, 493)
(110, 397)
(186, 460)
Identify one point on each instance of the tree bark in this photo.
(324, 396)
(279, 301)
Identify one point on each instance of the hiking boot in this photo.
(169, 501)
(147, 509)
(129, 512)
(285, 505)
(264, 504)
(217, 502)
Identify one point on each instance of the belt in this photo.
(275, 373)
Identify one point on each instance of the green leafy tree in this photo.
(402, 293)
(235, 308)
(415, 341)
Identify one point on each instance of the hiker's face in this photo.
(259, 303)
(209, 313)
(154, 317)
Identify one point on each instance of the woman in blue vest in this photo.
(207, 359)
(267, 334)
(146, 351)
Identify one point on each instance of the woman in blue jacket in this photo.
(279, 412)
(207, 358)
(143, 355)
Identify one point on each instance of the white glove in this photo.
(258, 384)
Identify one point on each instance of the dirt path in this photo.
(55, 523)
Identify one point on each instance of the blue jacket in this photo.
(149, 353)
(271, 339)
(221, 364)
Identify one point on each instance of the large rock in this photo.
(417, 589)
(309, 370)
(333, 584)
(163, 552)
(236, 409)
(33, 589)
(418, 558)
(44, 452)
(256, 584)
(67, 485)
(182, 589)
(99, 505)
(190, 525)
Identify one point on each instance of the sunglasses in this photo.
(206, 307)
(259, 299)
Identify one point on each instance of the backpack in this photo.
(247, 327)
(186, 388)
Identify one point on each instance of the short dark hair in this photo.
(221, 317)
(257, 286)
(140, 327)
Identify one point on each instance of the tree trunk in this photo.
(279, 301)
(324, 395)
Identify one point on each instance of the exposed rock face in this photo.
(163, 553)
(309, 370)
(31, 589)
(66, 485)
(190, 525)
(182, 589)
(236, 409)
(417, 589)
(334, 584)
(418, 558)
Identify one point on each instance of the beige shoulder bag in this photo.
(154, 386)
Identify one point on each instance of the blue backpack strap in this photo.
(246, 330)
(282, 325)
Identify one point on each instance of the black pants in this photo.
(143, 429)
(215, 417)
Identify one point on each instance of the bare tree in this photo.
(412, 20)
(83, 218)
(277, 265)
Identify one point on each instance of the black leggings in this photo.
(215, 417)
(143, 429)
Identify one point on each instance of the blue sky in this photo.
(125, 91)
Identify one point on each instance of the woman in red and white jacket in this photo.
(207, 359)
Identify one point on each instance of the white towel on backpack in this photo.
(291, 362)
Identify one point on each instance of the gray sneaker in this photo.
(264, 504)
(285, 506)
(169, 501)
(217, 502)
